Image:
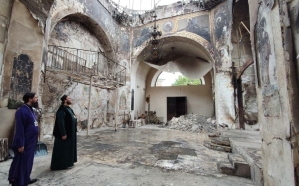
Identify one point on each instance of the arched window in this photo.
(176, 79)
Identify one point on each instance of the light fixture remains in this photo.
(155, 41)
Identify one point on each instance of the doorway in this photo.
(176, 106)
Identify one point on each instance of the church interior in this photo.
(221, 73)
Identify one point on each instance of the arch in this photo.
(183, 36)
(77, 15)
(204, 48)
(159, 72)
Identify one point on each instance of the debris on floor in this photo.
(193, 123)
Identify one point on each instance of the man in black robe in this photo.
(24, 142)
(65, 131)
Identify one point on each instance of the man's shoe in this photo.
(13, 183)
(32, 181)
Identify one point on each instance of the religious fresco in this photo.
(168, 26)
(123, 101)
(110, 26)
(124, 42)
(141, 35)
(221, 21)
(295, 15)
(199, 25)
(21, 80)
(221, 18)
(267, 64)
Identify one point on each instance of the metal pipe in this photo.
(245, 27)
(238, 47)
(89, 105)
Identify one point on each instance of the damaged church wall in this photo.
(293, 8)
(77, 24)
(214, 35)
(199, 97)
(22, 23)
(72, 34)
(22, 57)
(6, 115)
(193, 28)
(102, 102)
(5, 13)
(224, 90)
(278, 89)
(241, 53)
(140, 89)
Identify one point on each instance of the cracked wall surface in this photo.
(240, 55)
(6, 115)
(102, 102)
(224, 90)
(277, 94)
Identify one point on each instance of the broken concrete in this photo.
(191, 122)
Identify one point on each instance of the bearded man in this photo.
(24, 142)
(65, 132)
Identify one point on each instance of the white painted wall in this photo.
(199, 97)
(139, 88)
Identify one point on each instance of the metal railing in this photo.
(85, 63)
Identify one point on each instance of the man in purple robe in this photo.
(25, 139)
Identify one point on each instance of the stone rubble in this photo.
(192, 122)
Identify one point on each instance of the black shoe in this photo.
(32, 181)
(13, 183)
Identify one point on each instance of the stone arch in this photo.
(192, 38)
(79, 15)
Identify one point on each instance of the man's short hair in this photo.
(27, 96)
(63, 98)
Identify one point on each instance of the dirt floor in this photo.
(146, 155)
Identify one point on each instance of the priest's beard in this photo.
(35, 105)
(68, 102)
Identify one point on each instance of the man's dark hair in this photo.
(27, 96)
(63, 98)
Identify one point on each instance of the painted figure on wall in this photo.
(199, 25)
(221, 20)
(21, 80)
(141, 36)
(125, 42)
(123, 101)
(267, 63)
(168, 26)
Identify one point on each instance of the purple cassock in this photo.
(26, 132)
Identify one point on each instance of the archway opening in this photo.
(182, 57)
(166, 79)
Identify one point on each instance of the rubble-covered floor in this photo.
(146, 155)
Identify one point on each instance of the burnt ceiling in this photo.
(39, 8)
(173, 49)
(93, 27)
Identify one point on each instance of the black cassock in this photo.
(64, 151)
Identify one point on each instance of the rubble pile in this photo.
(193, 123)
